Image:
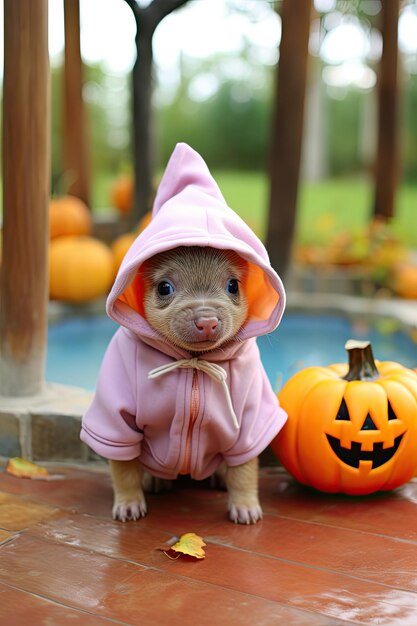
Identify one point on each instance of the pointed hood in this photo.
(190, 210)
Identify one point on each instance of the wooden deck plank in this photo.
(5, 536)
(358, 554)
(90, 492)
(316, 559)
(16, 514)
(78, 490)
(19, 608)
(390, 513)
(342, 551)
(323, 591)
(134, 594)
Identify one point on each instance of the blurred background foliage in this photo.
(230, 127)
(221, 104)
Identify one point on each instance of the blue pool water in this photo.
(76, 346)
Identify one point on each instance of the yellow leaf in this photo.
(21, 468)
(190, 544)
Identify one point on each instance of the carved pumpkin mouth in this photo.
(354, 455)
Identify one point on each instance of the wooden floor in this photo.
(314, 560)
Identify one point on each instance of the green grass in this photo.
(335, 206)
(100, 191)
(325, 208)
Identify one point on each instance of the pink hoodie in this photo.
(196, 412)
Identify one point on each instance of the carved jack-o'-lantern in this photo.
(353, 432)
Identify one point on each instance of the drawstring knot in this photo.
(213, 370)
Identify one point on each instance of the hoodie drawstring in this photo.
(213, 370)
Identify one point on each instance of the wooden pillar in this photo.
(75, 141)
(386, 169)
(26, 173)
(287, 131)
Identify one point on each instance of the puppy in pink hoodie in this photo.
(182, 389)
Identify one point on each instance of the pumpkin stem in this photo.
(361, 361)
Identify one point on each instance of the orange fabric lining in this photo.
(261, 296)
(133, 294)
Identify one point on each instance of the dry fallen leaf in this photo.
(189, 544)
(21, 468)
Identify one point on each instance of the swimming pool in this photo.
(76, 346)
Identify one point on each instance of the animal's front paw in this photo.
(126, 511)
(243, 514)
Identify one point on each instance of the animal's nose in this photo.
(207, 324)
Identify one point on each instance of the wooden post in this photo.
(26, 173)
(386, 170)
(287, 131)
(76, 160)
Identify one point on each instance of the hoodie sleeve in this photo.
(109, 425)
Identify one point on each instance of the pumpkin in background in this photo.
(350, 430)
(405, 281)
(68, 215)
(122, 243)
(121, 194)
(144, 222)
(119, 247)
(80, 269)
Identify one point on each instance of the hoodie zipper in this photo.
(194, 408)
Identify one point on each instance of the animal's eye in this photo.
(232, 286)
(165, 288)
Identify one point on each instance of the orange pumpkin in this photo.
(405, 281)
(144, 222)
(121, 194)
(119, 248)
(80, 269)
(68, 215)
(353, 432)
(122, 243)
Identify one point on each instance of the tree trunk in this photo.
(26, 173)
(314, 154)
(76, 161)
(386, 170)
(287, 131)
(142, 119)
(147, 19)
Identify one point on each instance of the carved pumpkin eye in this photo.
(343, 413)
(369, 424)
(391, 414)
